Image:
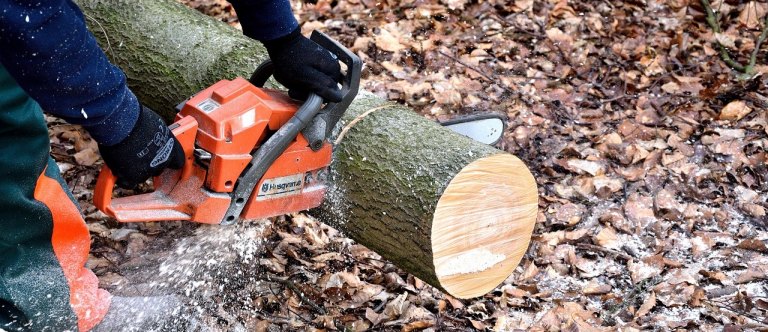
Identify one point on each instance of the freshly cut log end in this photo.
(482, 225)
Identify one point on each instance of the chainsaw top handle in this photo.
(314, 122)
(323, 123)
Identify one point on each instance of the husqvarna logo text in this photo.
(281, 187)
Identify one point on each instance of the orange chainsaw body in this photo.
(218, 129)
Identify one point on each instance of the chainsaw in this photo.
(250, 152)
(253, 152)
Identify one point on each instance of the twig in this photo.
(457, 60)
(760, 40)
(483, 74)
(106, 36)
(298, 315)
(720, 306)
(724, 54)
(588, 246)
(356, 120)
(712, 21)
(287, 283)
(633, 297)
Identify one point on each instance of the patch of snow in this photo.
(679, 315)
(757, 289)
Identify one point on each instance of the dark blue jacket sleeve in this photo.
(265, 20)
(45, 46)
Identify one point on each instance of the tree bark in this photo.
(455, 213)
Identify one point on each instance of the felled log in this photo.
(453, 212)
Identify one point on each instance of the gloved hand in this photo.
(303, 66)
(147, 151)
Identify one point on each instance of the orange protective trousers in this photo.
(44, 241)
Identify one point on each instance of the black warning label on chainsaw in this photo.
(281, 187)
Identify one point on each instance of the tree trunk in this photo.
(455, 213)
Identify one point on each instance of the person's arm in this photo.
(45, 46)
(265, 20)
(301, 65)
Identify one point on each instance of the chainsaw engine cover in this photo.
(233, 119)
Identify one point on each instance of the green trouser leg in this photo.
(43, 284)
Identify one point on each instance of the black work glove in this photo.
(303, 66)
(147, 151)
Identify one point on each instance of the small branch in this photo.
(712, 21)
(588, 246)
(760, 40)
(287, 283)
(106, 36)
(457, 60)
(486, 76)
(721, 306)
(711, 17)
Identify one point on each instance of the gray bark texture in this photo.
(389, 170)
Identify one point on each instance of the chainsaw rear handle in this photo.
(322, 125)
(185, 131)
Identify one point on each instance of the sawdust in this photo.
(469, 262)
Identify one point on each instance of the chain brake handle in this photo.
(321, 126)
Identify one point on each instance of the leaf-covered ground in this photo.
(649, 152)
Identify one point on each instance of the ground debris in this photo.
(649, 152)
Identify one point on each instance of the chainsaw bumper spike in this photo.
(250, 153)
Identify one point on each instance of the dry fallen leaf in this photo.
(396, 307)
(582, 166)
(419, 317)
(455, 4)
(735, 110)
(477, 324)
(752, 274)
(373, 317)
(595, 287)
(639, 209)
(569, 214)
(751, 16)
(522, 5)
(674, 294)
(560, 39)
(754, 244)
(455, 303)
(607, 238)
(725, 40)
(640, 271)
(418, 325)
(87, 157)
(388, 39)
(647, 305)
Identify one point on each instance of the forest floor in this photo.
(648, 149)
